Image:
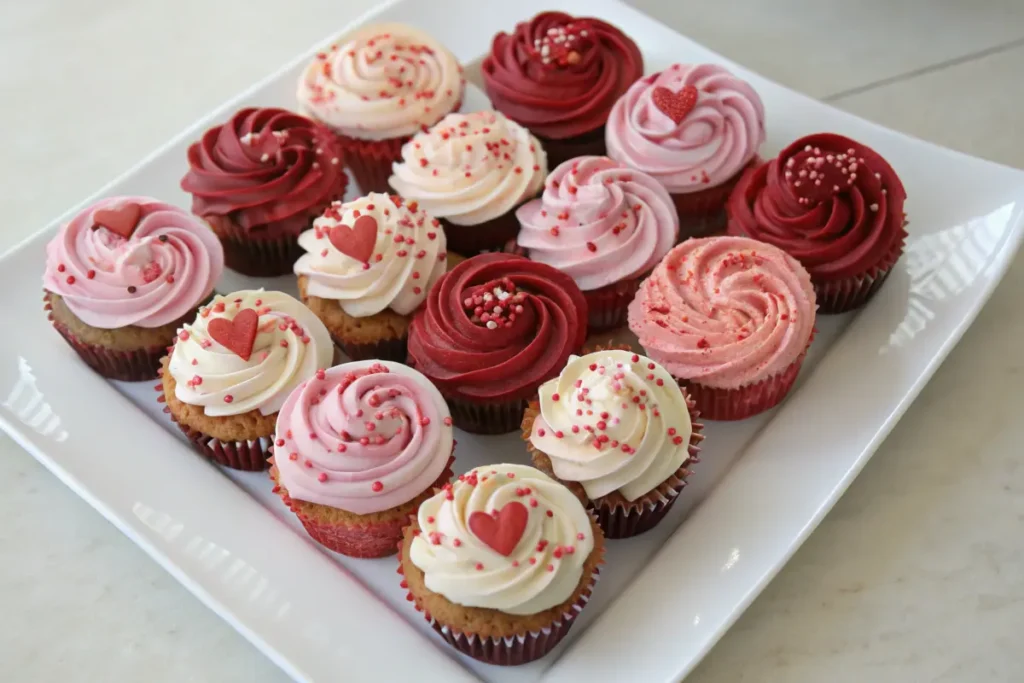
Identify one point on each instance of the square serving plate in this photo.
(665, 597)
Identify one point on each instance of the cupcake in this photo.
(380, 87)
(122, 276)
(559, 76)
(731, 318)
(604, 225)
(694, 127)
(833, 204)
(231, 370)
(493, 329)
(358, 448)
(501, 562)
(472, 171)
(368, 265)
(259, 180)
(620, 433)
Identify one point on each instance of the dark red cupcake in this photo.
(259, 180)
(493, 329)
(559, 76)
(836, 206)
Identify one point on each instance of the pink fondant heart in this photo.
(675, 105)
(357, 241)
(120, 219)
(502, 532)
(237, 335)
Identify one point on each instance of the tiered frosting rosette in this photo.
(122, 276)
(357, 449)
(492, 330)
(472, 171)
(695, 128)
(501, 563)
(259, 180)
(833, 204)
(231, 369)
(620, 433)
(376, 90)
(603, 224)
(559, 76)
(731, 319)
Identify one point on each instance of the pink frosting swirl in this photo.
(599, 222)
(166, 266)
(692, 126)
(363, 437)
(725, 312)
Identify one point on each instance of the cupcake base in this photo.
(493, 235)
(362, 536)
(591, 143)
(702, 213)
(608, 307)
(489, 635)
(370, 161)
(482, 417)
(842, 296)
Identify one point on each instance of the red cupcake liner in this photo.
(841, 296)
(483, 417)
(493, 235)
(365, 541)
(608, 307)
(387, 349)
(136, 365)
(702, 213)
(255, 254)
(511, 650)
(591, 143)
(370, 161)
(250, 455)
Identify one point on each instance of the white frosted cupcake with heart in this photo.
(369, 264)
(232, 368)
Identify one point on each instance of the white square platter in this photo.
(665, 597)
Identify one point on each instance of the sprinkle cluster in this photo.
(494, 304)
(562, 46)
(816, 176)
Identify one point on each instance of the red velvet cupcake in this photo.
(493, 329)
(259, 180)
(378, 88)
(559, 76)
(835, 205)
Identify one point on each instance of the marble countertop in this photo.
(916, 575)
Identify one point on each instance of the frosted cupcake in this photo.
(358, 448)
(231, 370)
(121, 277)
(472, 171)
(501, 562)
(604, 225)
(694, 127)
(731, 318)
(616, 429)
(378, 88)
(369, 264)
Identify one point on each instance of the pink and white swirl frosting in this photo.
(408, 256)
(692, 126)
(385, 81)
(363, 437)
(166, 266)
(599, 222)
(725, 312)
(470, 168)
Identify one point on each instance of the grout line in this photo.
(938, 66)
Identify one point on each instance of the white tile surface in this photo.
(916, 575)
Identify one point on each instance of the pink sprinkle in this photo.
(377, 487)
(322, 477)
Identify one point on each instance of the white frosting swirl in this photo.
(471, 168)
(544, 567)
(210, 375)
(613, 421)
(386, 81)
(408, 257)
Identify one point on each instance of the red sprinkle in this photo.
(377, 487)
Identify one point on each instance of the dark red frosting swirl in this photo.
(558, 75)
(469, 350)
(832, 203)
(265, 168)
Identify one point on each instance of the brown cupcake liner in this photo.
(702, 213)
(618, 517)
(385, 349)
(486, 417)
(135, 365)
(364, 540)
(608, 307)
(510, 650)
(840, 296)
(493, 235)
(591, 143)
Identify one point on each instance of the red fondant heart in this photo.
(357, 241)
(501, 533)
(675, 105)
(120, 219)
(236, 335)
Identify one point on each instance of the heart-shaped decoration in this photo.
(120, 219)
(357, 241)
(501, 533)
(237, 335)
(675, 105)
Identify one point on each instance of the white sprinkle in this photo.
(583, 33)
(796, 184)
(544, 51)
(279, 134)
(853, 176)
(789, 174)
(802, 174)
(851, 151)
(884, 191)
(319, 150)
(835, 188)
(813, 175)
(316, 164)
(807, 148)
(491, 324)
(488, 296)
(789, 164)
(817, 183)
(248, 139)
(878, 175)
(264, 157)
(853, 166)
(335, 161)
(817, 150)
(873, 207)
(496, 310)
